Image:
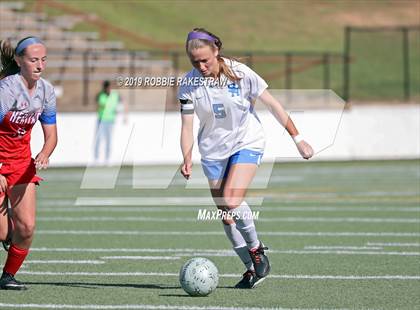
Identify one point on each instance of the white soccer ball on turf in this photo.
(199, 276)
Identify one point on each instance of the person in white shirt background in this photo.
(230, 140)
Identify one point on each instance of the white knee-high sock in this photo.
(239, 244)
(245, 225)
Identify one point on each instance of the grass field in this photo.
(248, 25)
(341, 236)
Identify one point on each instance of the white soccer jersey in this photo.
(228, 121)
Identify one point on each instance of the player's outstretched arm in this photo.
(284, 119)
(50, 142)
(187, 142)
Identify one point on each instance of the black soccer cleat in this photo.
(249, 280)
(8, 282)
(260, 260)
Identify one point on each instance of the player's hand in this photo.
(41, 161)
(186, 169)
(3, 184)
(305, 149)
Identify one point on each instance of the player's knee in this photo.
(231, 201)
(25, 230)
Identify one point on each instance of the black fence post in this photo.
(326, 61)
(288, 71)
(85, 78)
(406, 64)
(175, 62)
(250, 60)
(346, 64)
(175, 69)
(132, 92)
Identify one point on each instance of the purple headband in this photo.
(25, 43)
(200, 35)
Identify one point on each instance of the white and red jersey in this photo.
(19, 111)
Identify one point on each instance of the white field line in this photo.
(62, 199)
(317, 247)
(127, 307)
(217, 233)
(195, 219)
(214, 254)
(277, 195)
(229, 275)
(202, 183)
(123, 250)
(55, 202)
(394, 244)
(150, 201)
(222, 253)
(114, 219)
(380, 193)
(341, 220)
(117, 209)
(194, 208)
(142, 307)
(142, 257)
(84, 262)
(314, 252)
(158, 201)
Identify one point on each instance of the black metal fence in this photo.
(381, 63)
(378, 64)
(282, 70)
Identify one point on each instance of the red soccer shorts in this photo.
(19, 174)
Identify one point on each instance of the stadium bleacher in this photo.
(77, 60)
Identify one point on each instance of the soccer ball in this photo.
(199, 276)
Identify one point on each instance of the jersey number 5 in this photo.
(219, 110)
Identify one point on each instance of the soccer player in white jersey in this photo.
(25, 98)
(230, 140)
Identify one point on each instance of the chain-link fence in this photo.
(79, 74)
(378, 64)
(383, 63)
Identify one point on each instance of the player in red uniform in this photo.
(24, 98)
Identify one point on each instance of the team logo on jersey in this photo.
(24, 118)
(21, 105)
(21, 132)
(233, 89)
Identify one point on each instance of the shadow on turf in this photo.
(97, 285)
(184, 295)
(125, 285)
(175, 295)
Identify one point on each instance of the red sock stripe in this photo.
(15, 259)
